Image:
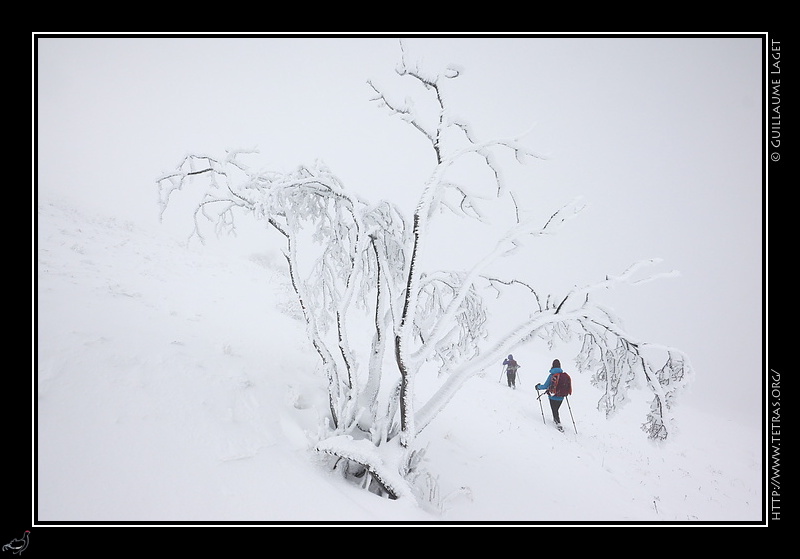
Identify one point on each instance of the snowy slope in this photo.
(173, 384)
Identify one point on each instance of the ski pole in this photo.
(570, 414)
(540, 403)
(501, 374)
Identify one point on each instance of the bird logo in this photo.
(17, 546)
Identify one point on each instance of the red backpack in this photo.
(560, 385)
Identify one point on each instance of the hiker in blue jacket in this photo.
(555, 401)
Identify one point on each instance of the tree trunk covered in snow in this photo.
(354, 265)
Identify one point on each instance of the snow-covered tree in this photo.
(358, 267)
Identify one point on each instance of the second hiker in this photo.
(511, 371)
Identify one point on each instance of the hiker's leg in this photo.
(554, 405)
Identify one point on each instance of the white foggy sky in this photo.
(662, 136)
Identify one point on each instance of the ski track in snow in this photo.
(172, 387)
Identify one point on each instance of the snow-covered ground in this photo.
(174, 385)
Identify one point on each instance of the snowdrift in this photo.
(174, 384)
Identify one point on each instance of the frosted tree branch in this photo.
(355, 265)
